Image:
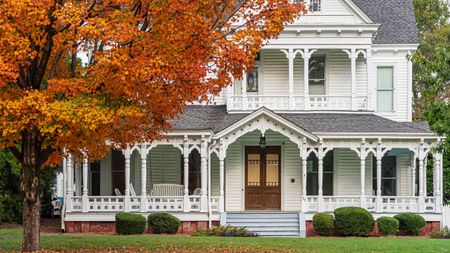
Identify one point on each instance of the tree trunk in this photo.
(31, 189)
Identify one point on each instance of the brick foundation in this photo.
(426, 231)
(187, 227)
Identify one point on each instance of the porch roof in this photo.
(396, 19)
(216, 119)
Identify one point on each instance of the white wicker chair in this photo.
(117, 192)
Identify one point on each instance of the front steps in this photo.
(269, 224)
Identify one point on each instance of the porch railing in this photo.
(284, 102)
(394, 204)
(152, 204)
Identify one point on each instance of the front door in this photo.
(262, 178)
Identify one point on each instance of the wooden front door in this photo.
(262, 178)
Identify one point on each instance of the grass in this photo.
(10, 239)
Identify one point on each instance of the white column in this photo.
(320, 180)
(77, 179)
(413, 174)
(304, 157)
(204, 175)
(437, 181)
(290, 55)
(144, 152)
(244, 91)
(379, 159)
(353, 55)
(362, 156)
(306, 55)
(187, 205)
(222, 155)
(409, 86)
(368, 79)
(127, 154)
(85, 187)
(69, 181)
(422, 157)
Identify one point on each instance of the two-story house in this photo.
(323, 121)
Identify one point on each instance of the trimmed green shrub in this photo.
(163, 223)
(353, 221)
(410, 224)
(228, 231)
(130, 223)
(323, 223)
(388, 226)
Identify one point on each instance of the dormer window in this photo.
(315, 5)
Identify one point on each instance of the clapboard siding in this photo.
(292, 170)
(405, 174)
(339, 74)
(214, 175)
(106, 175)
(233, 175)
(348, 173)
(333, 11)
(276, 72)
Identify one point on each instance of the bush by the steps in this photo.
(353, 221)
(130, 223)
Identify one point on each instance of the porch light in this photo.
(262, 142)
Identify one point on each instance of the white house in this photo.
(323, 121)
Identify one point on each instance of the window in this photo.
(118, 171)
(317, 75)
(385, 89)
(252, 80)
(315, 5)
(95, 178)
(194, 171)
(312, 185)
(388, 176)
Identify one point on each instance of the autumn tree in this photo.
(147, 59)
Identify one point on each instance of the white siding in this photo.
(405, 175)
(163, 166)
(214, 175)
(106, 176)
(276, 73)
(348, 173)
(333, 12)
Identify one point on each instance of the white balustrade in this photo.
(195, 203)
(106, 203)
(77, 202)
(396, 204)
(165, 203)
(215, 204)
(282, 103)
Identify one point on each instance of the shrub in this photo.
(228, 230)
(410, 224)
(130, 223)
(441, 234)
(163, 223)
(323, 223)
(388, 226)
(353, 221)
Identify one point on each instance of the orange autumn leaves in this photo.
(146, 60)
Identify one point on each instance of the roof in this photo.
(216, 119)
(396, 18)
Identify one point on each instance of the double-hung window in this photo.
(385, 89)
(312, 184)
(315, 5)
(317, 75)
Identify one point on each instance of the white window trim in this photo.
(394, 86)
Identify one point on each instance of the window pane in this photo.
(254, 172)
(388, 187)
(385, 101)
(328, 184)
(272, 170)
(328, 162)
(252, 80)
(385, 78)
(317, 67)
(315, 5)
(312, 187)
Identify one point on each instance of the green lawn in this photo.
(10, 239)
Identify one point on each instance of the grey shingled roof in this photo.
(216, 119)
(396, 18)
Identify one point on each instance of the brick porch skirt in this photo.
(187, 227)
(426, 231)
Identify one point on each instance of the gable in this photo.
(335, 12)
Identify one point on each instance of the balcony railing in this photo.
(297, 103)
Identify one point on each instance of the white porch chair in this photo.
(167, 190)
(197, 192)
(117, 192)
(132, 191)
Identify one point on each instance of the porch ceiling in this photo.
(216, 119)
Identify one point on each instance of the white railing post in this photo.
(222, 155)
(306, 55)
(244, 91)
(290, 55)
(85, 200)
(203, 175)
(127, 202)
(320, 157)
(69, 181)
(187, 204)
(144, 152)
(379, 204)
